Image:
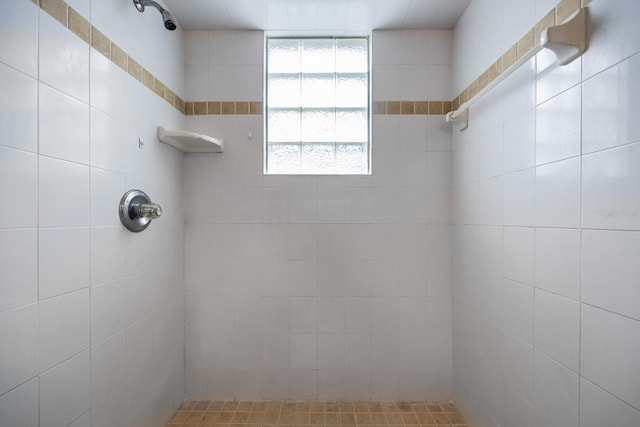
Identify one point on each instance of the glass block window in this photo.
(317, 115)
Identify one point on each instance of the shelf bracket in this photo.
(569, 40)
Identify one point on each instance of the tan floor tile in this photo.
(440, 417)
(216, 406)
(230, 406)
(434, 407)
(394, 418)
(205, 413)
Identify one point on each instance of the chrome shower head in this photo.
(169, 20)
(167, 16)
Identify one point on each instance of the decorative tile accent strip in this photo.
(77, 24)
(214, 108)
(563, 10)
(70, 18)
(411, 107)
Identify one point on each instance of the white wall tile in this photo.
(63, 327)
(554, 78)
(608, 189)
(107, 85)
(63, 126)
(518, 309)
(439, 82)
(107, 310)
(517, 261)
(558, 127)
(439, 45)
(557, 328)
(18, 333)
(111, 410)
(108, 359)
(275, 205)
(558, 194)
(275, 351)
(518, 198)
(248, 314)
(107, 259)
(196, 46)
(413, 47)
(557, 261)
(330, 384)
(614, 42)
(603, 334)
(303, 351)
(63, 58)
(65, 391)
(593, 192)
(20, 405)
(609, 270)
(19, 41)
(107, 189)
(64, 193)
(556, 392)
(63, 260)
(331, 315)
(107, 142)
(598, 407)
(19, 124)
(613, 125)
(196, 82)
(317, 242)
(519, 144)
(519, 91)
(385, 79)
(517, 365)
(303, 314)
(247, 350)
(20, 169)
(438, 134)
(18, 268)
(330, 351)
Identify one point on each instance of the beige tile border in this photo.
(410, 107)
(559, 14)
(215, 108)
(76, 23)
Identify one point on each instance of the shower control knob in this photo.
(137, 210)
(147, 210)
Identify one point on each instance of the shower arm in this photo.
(140, 5)
(167, 16)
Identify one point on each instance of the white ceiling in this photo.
(316, 16)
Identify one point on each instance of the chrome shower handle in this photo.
(146, 210)
(137, 210)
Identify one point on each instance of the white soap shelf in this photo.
(190, 142)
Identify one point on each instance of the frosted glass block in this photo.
(352, 126)
(352, 91)
(318, 158)
(284, 91)
(352, 158)
(318, 91)
(318, 56)
(284, 56)
(284, 125)
(352, 56)
(318, 125)
(284, 158)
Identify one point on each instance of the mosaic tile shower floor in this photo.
(280, 413)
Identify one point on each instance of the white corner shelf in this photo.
(190, 142)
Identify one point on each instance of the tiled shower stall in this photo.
(494, 267)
